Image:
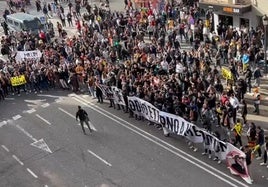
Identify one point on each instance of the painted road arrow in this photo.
(41, 144)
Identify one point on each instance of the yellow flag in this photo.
(226, 73)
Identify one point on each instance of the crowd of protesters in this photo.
(139, 51)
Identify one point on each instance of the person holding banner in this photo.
(249, 156)
(18, 82)
(99, 93)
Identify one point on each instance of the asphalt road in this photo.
(120, 152)
(41, 144)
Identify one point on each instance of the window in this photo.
(32, 25)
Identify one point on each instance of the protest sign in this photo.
(18, 80)
(28, 55)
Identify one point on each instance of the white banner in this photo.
(174, 123)
(118, 96)
(28, 55)
(107, 93)
(143, 108)
(180, 126)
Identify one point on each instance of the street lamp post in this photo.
(265, 23)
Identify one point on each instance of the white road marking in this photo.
(32, 173)
(5, 148)
(16, 117)
(41, 144)
(3, 123)
(17, 159)
(69, 114)
(189, 158)
(45, 105)
(46, 186)
(58, 100)
(72, 116)
(26, 133)
(40, 117)
(101, 159)
(43, 95)
(31, 111)
(9, 98)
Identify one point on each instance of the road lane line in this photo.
(69, 114)
(32, 173)
(31, 111)
(18, 160)
(58, 100)
(101, 159)
(72, 116)
(45, 105)
(26, 133)
(3, 123)
(5, 148)
(10, 98)
(40, 117)
(211, 170)
(16, 117)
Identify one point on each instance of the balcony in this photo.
(227, 2)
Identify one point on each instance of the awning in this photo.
(226, 9)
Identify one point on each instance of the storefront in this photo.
(236, 16)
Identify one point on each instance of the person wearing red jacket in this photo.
(78, 26)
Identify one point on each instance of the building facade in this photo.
(235, 13)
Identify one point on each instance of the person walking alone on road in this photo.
(83, 117)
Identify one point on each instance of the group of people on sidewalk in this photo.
(139, 51)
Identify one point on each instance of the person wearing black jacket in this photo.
(248, 76)
(99, 94)
(260, 142)
(83, 118)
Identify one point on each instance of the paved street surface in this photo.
(41, 144)
(120, 152)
